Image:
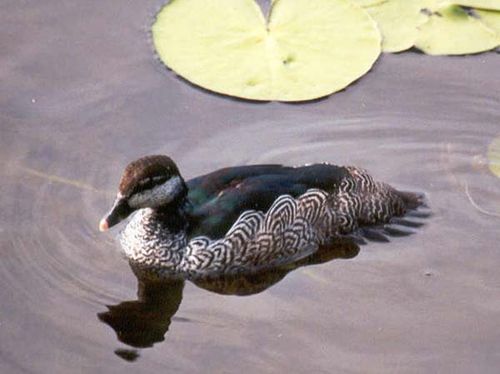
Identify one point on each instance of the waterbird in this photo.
(245, 218)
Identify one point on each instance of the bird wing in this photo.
(219, 198)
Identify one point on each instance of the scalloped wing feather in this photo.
(294, 228)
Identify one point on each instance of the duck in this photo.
(242, 219)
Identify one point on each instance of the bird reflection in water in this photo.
(143, 322)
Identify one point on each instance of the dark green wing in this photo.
(217, 199)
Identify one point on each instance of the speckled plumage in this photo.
(170, 241)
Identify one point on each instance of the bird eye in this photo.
(149, 183)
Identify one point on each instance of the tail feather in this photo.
(411, 200)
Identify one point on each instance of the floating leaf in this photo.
(307, 49)
(430, 4)
(494, 156)
(491, 19)
(367, 3)
(361, 3)
(481, 4)
(451, 30)
(398, 21)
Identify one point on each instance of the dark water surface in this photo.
(81, 94)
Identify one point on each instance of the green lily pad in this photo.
(481, 4)
(491, 19)
(398, 21)
(367, 3)
(451, 30)
(494, 156)
(430, 4)
(361, 3)
(305, 51)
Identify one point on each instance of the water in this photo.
(82, 95)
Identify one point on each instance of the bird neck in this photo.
(173, 216)
(157, 238)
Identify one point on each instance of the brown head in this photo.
(149, 182)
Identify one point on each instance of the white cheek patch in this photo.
(157, 196)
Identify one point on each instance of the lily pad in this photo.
(481, 4)
(367, 3)
(494, 156)
(491, 19)
(362, 3)
(305, 51)
(432, 4)
(398, 21)
(451, 30)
